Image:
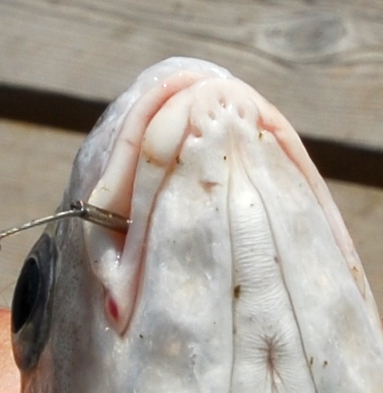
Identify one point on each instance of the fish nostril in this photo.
(222, 102)
(211, 115)
(241, 112)
(194, 130)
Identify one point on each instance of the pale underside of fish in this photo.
(236, 275)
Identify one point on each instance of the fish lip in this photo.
(116, 196)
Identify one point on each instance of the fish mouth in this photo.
(152, 137)
(222, 196)
(114, 192)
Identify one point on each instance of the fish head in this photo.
(236, 274)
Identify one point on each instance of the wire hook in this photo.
(82, 210)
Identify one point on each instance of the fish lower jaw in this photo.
(155, 151)
(230, 265)
(268, 352)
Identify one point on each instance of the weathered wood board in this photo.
(318, 61)
(35, 168)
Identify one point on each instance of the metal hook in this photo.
(82, 210)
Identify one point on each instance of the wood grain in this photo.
(35, 168)
(318, 61)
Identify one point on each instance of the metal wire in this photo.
(82, 210)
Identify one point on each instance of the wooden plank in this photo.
(319, 62)
(34, 172)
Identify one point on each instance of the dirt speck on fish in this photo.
(153, 310)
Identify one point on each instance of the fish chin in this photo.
(237, 272)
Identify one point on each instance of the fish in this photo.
(235, 274)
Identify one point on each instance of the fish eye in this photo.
(26, 293)
(32, 303)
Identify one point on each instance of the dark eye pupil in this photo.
(27, 289)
